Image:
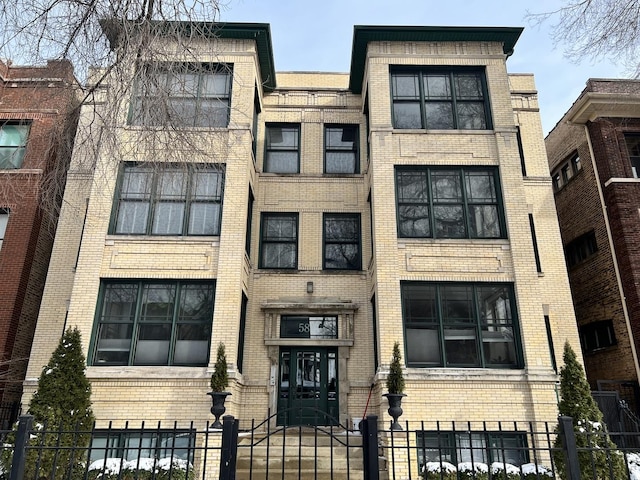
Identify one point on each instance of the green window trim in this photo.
(440, 98)
(131, 444)
(182, 95)
(153, 323)
(279, 241)
(461, 325)
(341, 241)
(282, 148)
(168, 199)
(13, 144)
(449, 202)
(341, 149)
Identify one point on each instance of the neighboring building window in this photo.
(581, 248)
(449, 202)
(597, 335)
(564, 172)
(154, 323)
(279, 240)
(130, 445)
(283, 149)
(471, 447)
(341, 149)
(182, 95)
(633, 148)
(13, 144)
(319, 327)
(4, 219)
(342, 242)
(169, 199)
(460, 325)
(523, 165)
(440, 99)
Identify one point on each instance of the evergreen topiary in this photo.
(395, 380)
(220, 377)
(603, 461)
(62, 415)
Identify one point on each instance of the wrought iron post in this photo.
(570, 447)
(25, 422)
(229, 448)
(370, 447)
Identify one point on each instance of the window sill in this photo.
(146, 372)
(504, 242)
(112, 239)
(443, 132)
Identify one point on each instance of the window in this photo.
(134, 445)
(633, 149)
(581, 248)
(523, 165)
(460, 325)
(472, 447)
(342, 242)
(4, 219)
(169, 200)
(279, 240)
(534, 240)
(449, 203)
(341, 149)
(309, 326)
(283, 149)
(13, 143)
(182, 95)
(597, 335)
(440, 99)
(568, 169)
(154, 323)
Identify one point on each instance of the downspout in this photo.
(613, 253)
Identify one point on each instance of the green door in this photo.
(308, 383)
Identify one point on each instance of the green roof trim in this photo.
(260, 32)
(363, 34)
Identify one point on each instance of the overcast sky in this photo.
(317, 36)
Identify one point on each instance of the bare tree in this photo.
(597, 29)
(141, 65)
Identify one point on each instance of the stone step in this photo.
(298, 475)
(296, 451)
(293, 437)
(321, 463)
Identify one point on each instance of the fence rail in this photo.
(421, 451)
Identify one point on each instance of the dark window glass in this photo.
(323, 327)
(633, 149)
(581, 248)
(182, 95)
(279, 240)
(131, 446)
(4, 220)
(460, 324)
(169, 200)
(469, 447)
(154, 323)
(282, 149)
(597, 335)
(448, 203)
(341, 149)
(342, 242)
(439, 99)
(13, 144)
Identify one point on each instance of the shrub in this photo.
(395, 380)
(220, 377)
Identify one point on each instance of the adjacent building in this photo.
(37, 126)
(594, 155)
(308, 221)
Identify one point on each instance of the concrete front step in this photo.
(338, 451)
(292, 436)
(324, 462)
(298, 475)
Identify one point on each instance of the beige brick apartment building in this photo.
(311, 221)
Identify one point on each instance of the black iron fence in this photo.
(421, 451)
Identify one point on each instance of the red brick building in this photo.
(594, 158)
(36, 131)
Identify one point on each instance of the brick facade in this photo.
(366, 302)
(41, 97)
(603, 197)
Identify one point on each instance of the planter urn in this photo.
(395, 408)
(218, 408)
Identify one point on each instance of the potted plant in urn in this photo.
(219, 381)
(395, 387)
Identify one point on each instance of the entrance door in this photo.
(308, 387)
